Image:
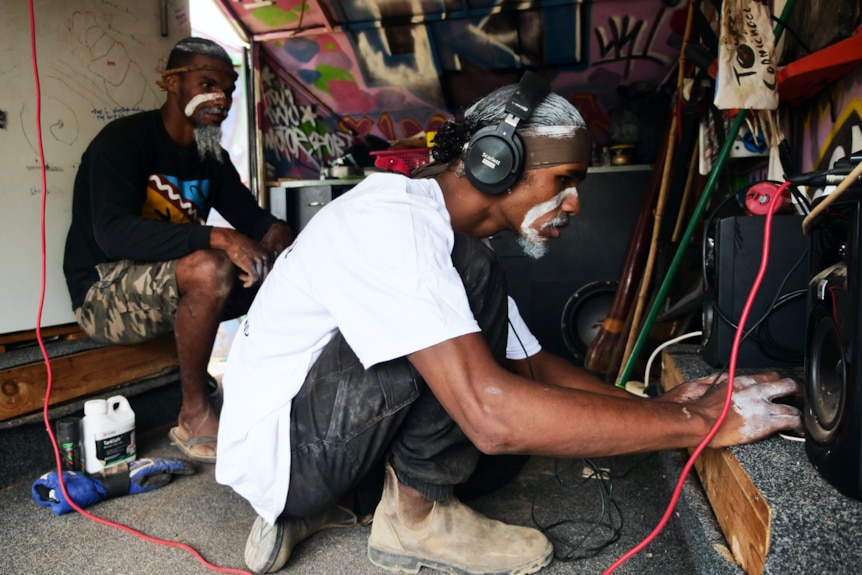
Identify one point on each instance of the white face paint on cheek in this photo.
(200, 99)
(540, 210)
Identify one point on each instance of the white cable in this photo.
(789, 437)
(661, 347)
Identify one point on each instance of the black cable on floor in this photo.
(577, 538)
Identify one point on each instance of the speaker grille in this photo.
(583, 316)
(826, 381)
(833, 381)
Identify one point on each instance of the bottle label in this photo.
(72, 454)
(116, 448)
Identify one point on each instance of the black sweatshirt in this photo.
(140, 196)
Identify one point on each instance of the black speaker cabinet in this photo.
(778, 313)
(833, 383)
(561, 295)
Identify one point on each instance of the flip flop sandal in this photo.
(186, 445)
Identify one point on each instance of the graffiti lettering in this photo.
(296, 132)
(281, 109)
(292, 142)
(620, 41)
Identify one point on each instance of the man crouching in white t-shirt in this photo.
(383, 338)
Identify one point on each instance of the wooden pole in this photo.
(602, 356)
(656, 231)
(699, 210)
(689, 190)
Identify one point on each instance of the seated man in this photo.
(132, 269)
(384, 337)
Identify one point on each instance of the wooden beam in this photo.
(23, 388)
(741, 509)
(69, 331)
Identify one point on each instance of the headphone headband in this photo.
(494, 159)
(532, 89)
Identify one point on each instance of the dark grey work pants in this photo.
(346, 419)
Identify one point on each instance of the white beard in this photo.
(534, 248)
(208, 140)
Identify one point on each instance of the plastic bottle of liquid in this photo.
(108, 433)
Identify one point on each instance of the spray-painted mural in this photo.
(394, 81)
(297, 141)
(830, 125)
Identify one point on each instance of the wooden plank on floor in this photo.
(22, 388)
(741, 509)
(742, 512)
(69, 331)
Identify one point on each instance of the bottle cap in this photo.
(95, 407)
(69, 427)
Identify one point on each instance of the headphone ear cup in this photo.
(493, 163)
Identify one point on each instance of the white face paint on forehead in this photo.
(557, 132)
(200, 99)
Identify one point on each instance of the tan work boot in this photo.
(269, 546)
(452, 538)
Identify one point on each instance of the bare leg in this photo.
(204, 279)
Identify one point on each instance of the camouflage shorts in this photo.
(131, 302)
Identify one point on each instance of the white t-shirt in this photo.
(375, 264)
(520, 343)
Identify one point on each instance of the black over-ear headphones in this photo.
(495, 154)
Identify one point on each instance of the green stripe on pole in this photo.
(692, 225)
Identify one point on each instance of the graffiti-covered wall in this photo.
(394, 82)
(829, 126)
(298, 136)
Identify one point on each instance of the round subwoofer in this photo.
(825, 381)
(708, 317)
(583, 315)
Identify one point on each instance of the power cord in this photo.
(658, 349)
(523, 347)
(769, 346)
(564, 533)
(764, 342)
(792, 32)
(803, 205)
(41, 342)
(610, 518)
(731, 374)
(848, 181)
